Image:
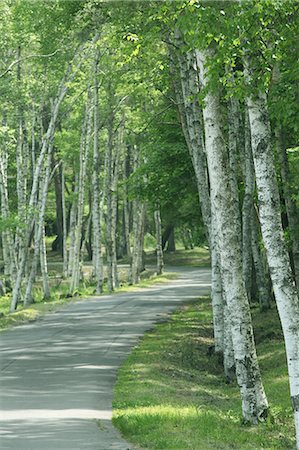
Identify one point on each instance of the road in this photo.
(58, 373)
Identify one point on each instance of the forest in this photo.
(126, 125)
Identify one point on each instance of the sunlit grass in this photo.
(171, 395)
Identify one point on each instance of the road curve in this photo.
(57, 374)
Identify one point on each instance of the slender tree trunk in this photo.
(228, 352)
(73, 221)
(138, 239)
(114, 201)
(109, 194)
(62, 90)
(64, 223)
(254, 402)
(7, 238)
(160, 262)
(217, 298)
(277, 254)
(191, 120)
(247, 210)
(126, 174)
(57, 244)
(260, 273)
(44, 183)
(292, 214)
(84, 149)
(96, 223)
(44, 265)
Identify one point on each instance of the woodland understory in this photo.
(127, 121)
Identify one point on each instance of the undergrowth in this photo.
(171, 394)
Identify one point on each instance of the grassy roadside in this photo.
(60, 298)
(171, 395)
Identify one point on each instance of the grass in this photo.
(171, 395)
(59, 298)
(197, 257)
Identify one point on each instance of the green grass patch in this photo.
(171, 395)
(197, 257)
(59, 298)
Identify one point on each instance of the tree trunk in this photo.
(44, 265)
(109, 194)
(247, 210)
(57, 244)
(96, 223)
(261, 275)
(46, 142)
(7, 237)
(160, 263)
(138, 239)
(39, 241)
(73, 221)
(171, 242)
(217, 297)
(254, 402)
(84, 149)
(126, 174)
(292, 214)
(191, 120)
(277, 254)
(64, 223)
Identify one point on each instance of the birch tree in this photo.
(96, 222)
(254, 401)
(84, 151)
(278, 259)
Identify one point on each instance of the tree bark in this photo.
(64, 223)
(160, 263)
(84, 149)
(247, 210)
(96, 223)
(254, 402)
(277, 254)
(290, 205)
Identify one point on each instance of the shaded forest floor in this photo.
(60, 287)
(171, 394)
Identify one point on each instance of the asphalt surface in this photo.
(57, 374)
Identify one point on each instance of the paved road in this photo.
(57, 374)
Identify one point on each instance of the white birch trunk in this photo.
(73, 221)
(138, 237)
(228, 352)
(254, 402)
(62, 90)
(126, 202)
(260, 273)
(272, 232)
(64, 224)
(40, 231)
(219, 325)
(84, 148)
(109, 193)
(190, 114)
(114, 202)
(160, 262)
(44, 264)
(96, 223)
(292, 214)
(247, 210)
(7, 237)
